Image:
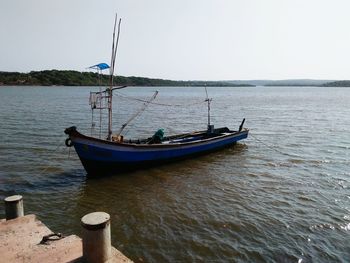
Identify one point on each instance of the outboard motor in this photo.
(241, 126)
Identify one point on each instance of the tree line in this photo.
(76, 78)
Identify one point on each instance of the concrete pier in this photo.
(26, 239)
(21, 241)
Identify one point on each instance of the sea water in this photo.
(282, 195)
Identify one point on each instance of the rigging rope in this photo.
(146, 103)
(157, 103)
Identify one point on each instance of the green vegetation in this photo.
(341, 83)
(75, 78)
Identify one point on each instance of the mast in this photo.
(110, 89)
(209, 127)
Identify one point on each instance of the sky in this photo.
(182, 39)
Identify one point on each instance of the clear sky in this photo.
(181, 39)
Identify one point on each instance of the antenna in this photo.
(209, 127)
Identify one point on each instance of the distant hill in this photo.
(341, 83)
(287, 82)
(250, 82)
(298, 82)
(75, 78)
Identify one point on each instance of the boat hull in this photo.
(101, 157)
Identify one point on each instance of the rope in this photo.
(51, 237)
(268, 146)
(156, 103)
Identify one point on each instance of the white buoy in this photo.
(96, 237)
(14, 207)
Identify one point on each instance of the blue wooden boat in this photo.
(100, 156)
(114, 153)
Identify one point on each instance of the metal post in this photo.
(96, 237)
(14, 207)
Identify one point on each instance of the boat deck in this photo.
(183, 138)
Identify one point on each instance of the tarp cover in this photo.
(100, 66)
(159, 135)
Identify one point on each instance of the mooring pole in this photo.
(96, 237)
(14, 207)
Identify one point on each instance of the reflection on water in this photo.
(280, 196)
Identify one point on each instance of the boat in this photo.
(115, 154)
